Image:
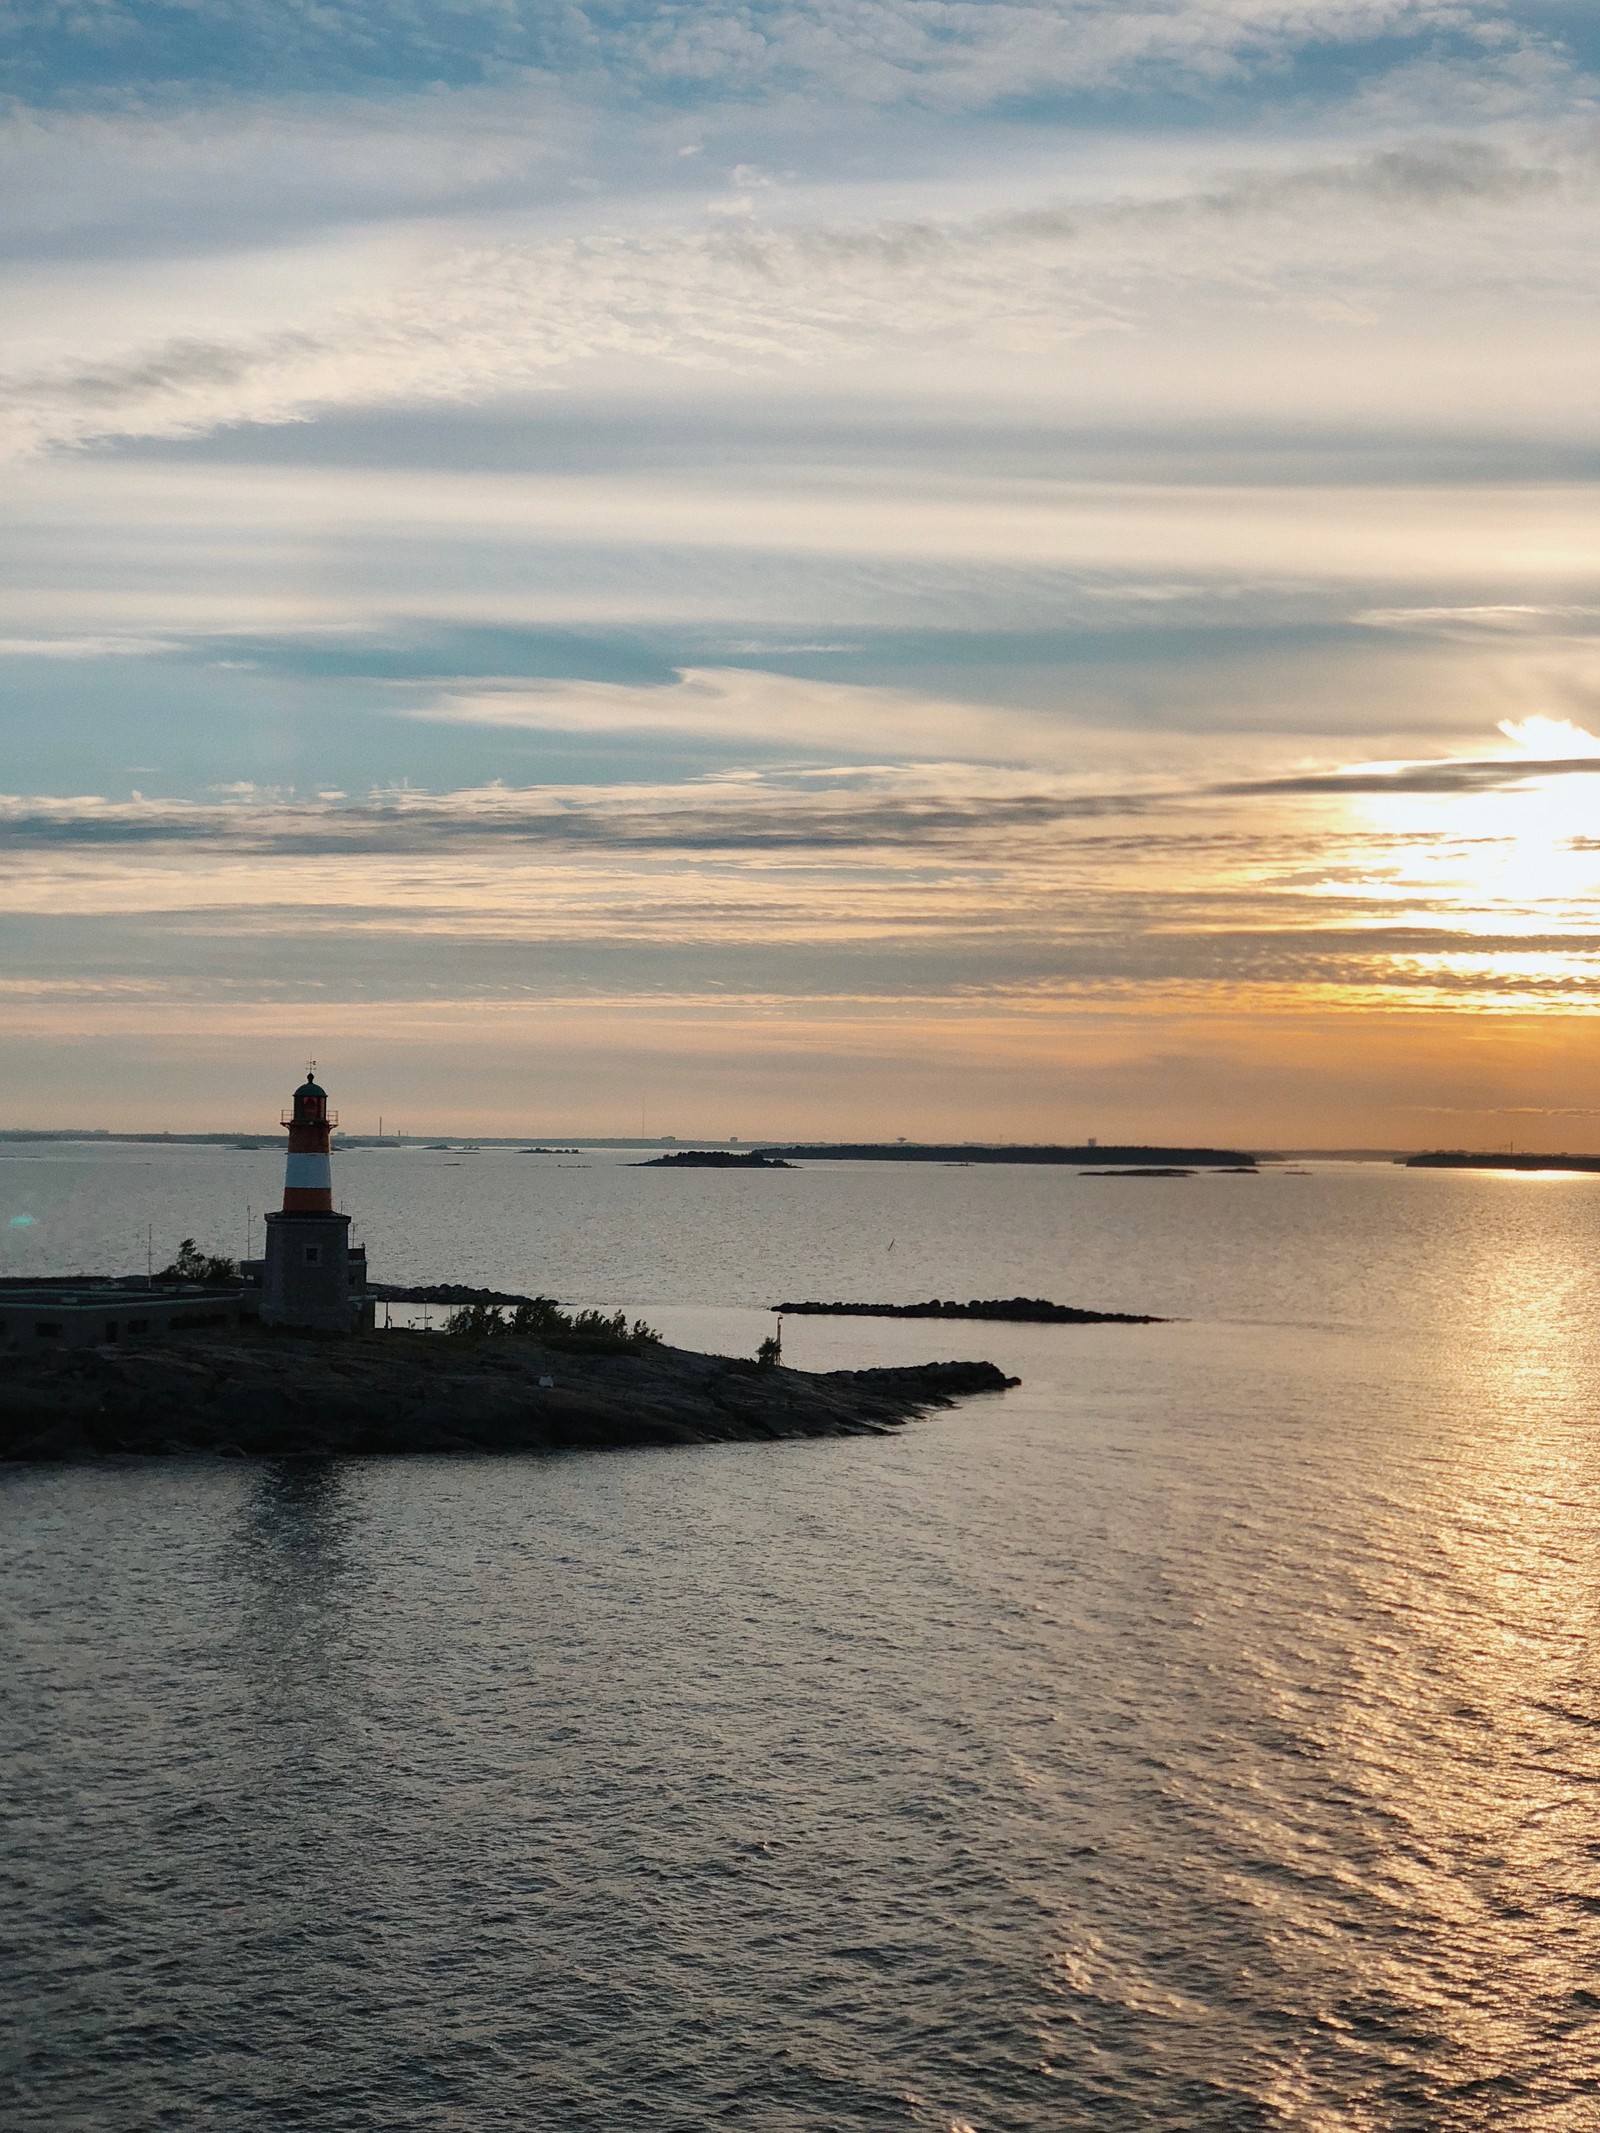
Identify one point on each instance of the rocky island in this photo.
(1156, 1170)
(258, 1393)
(715, 1159)
(1008, 1310)
(967, 1152)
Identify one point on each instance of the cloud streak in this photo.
(735, 817)
(738, 706)
(907, 807)
(768, 297)
(932, 883)
(1447, 776)
(950, 54)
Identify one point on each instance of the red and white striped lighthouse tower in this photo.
(312, 1277)
(308, 1175)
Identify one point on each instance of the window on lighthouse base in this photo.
(313, 1255)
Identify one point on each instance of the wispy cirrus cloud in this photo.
(1503, 618)
(862, 811)
(943, 52)
(859, 807)
(934, 880)
(771, 296)
(741, 705)
(1494, 774)
(107, 647)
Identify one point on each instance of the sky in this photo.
(803, 568)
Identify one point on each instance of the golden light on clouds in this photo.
(1010, 925)
(1027, 620)
(1516, 859)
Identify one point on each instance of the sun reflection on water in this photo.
(1481, 1748)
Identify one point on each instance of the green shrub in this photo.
(474, 1322)
(542, 1319)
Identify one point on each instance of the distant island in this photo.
(1087, 1156)
(1174, 1170)
(1014, 1310)
(716, 1159)
(1465, 1159)
(1153, 1170)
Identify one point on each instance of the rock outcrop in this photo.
(287, 1396)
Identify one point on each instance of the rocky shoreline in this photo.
(256, 1394)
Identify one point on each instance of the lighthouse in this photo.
(308, 1174)
(311, 1278)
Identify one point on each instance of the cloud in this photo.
(951, 54)
(1505, 618)
(1324, 311)
(894, 809)
(129, 647)
(1447, 775)
(906, 805)
(1426, 179)
(989, 892)
(772, 710)
(1307, 540)
(766, 298)
(90, 185)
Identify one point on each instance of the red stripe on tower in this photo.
(308, 1174)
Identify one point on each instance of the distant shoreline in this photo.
(704, 1152)
(1465, 1159)
(252, 1140)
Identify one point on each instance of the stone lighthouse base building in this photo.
(312, 1277)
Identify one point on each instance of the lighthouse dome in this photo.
(310, 1103)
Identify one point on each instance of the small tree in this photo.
(192, 1264)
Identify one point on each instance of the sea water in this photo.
(1205, 1734)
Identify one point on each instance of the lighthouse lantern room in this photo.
(311, 1278)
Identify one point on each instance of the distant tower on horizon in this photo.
(311, 1277)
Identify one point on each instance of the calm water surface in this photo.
(1205, 1735)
